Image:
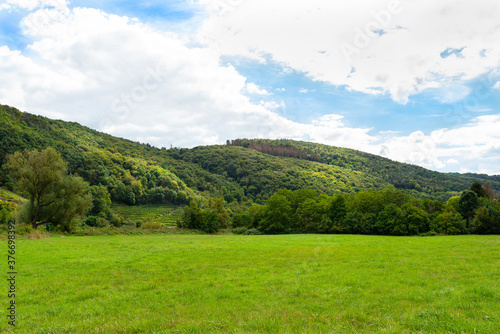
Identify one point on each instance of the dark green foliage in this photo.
(277, 214)
(415, 219)
(157, 195)
(449, 222)
(241, 220)
(194, 217)
(218, 206)
(487, 220)
(385, 212)
(54, 197)
(210, 221)
(478, 189)
(467, 204)
(336, 214)
(101, 201)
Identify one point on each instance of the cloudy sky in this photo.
(415, 81)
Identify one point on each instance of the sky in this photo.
(414, 81)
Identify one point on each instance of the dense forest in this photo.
(237, 183)
(385, 212)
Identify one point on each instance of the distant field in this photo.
(258, 284)
(162, 213)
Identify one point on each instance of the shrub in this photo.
(253, 231)
(24, 229)
(239, 230)
(102, 222)
(151, 225)
(117, 221)
(129, 224)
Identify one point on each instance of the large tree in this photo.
(467, 204)
(54, 197)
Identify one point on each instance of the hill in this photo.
(241, 171)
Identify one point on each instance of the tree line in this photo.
(385, 212)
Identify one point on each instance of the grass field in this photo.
(257, 284)
(165, 214)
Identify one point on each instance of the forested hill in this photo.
(240, 171)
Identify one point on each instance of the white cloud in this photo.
(497, 85)
(34, 4)
(401, 58)
(305, 90)
(475, 146)
(120, 76)
(254, 89)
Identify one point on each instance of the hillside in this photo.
(241, 171)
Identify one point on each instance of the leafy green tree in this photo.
(277, 215)
(218, 206)
(336, 212)
(478, 189)
(156, 195)
(389, 220)
(210, 221)
(468, 204)
(192, 216)
(416, 219)
(449, 222)
(308, 215)
(487, 220)
(256, 213)
(101, 201)
(53, 196)
(242, 219)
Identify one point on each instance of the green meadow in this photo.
(257, 284)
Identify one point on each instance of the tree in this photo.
(53, 196)
(218, 206)
(337, 211)
(101, 200)
(192, 216)
(277, 215)
(478, 189)
(389, 221)
(449, 222)
(417, 220)
(210, 221)
(488, 191)
(156, 195)
(308, 216)
(467, 204)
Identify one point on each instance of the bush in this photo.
(129, 224)
(239, 230)
(210, 221)
(24, 229)
(253, 231)
(102, 222)
(5, 216)
(151, 225)
(242, 220)
(117, 221)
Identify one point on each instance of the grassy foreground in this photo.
(242, 284)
